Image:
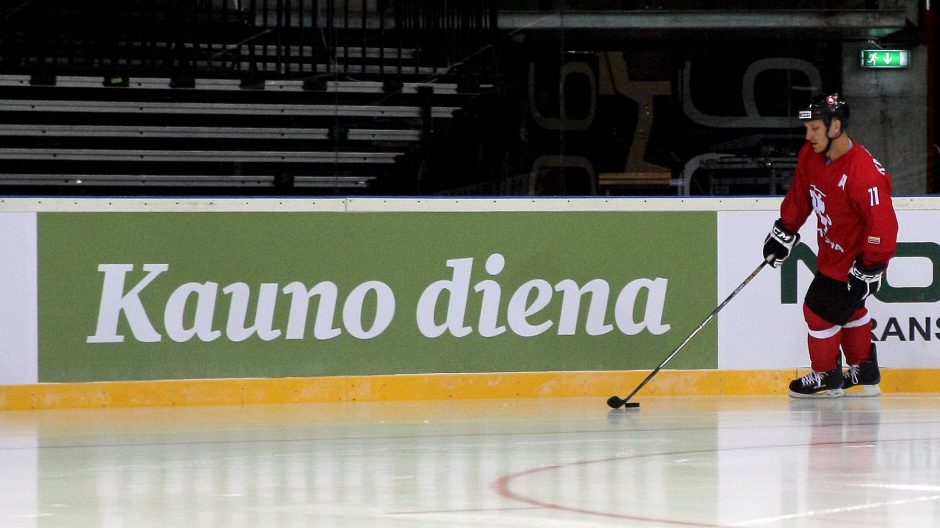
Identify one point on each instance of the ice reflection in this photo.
(742, 461)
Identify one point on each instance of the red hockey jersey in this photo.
(851, 197)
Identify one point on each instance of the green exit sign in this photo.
(886, 59)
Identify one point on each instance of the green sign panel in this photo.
(128, 296)
(886, 59)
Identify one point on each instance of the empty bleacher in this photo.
(346, 136)
(245, 98)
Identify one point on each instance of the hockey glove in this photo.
(865, 281)
(778, 244)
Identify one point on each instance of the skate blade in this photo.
(834, 393)
(863, 391)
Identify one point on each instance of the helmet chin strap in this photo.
(829, 140)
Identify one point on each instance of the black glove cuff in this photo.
(778, 224)
(870, 270)
(784, 235)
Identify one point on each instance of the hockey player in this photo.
(850, 192)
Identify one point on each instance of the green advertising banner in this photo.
(138, 296)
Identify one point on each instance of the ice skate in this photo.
(818, 385)
(862, 380)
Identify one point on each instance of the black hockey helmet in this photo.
(826, 107)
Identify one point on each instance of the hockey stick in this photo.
(615, 402)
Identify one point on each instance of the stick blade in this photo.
(616, 402)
